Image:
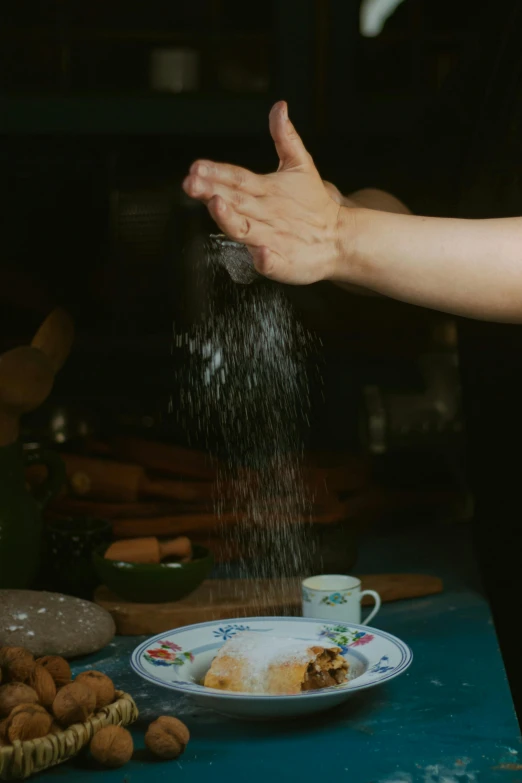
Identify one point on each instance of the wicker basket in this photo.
(22, 759)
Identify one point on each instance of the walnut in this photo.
(13, 694)
(42, 682)
(100, 684)
(3, 730)
(16, 663)
(74, 703)
(112, 746)
(167, 737)
(27, 722)
(57, 667)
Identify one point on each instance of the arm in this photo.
(368, 198)
(466, 267)
(298, 233)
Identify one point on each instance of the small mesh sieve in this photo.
(235, 257)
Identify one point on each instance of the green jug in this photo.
(21, 513)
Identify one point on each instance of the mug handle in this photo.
(56, 477)
(377, 598)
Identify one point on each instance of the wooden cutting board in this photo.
(220, 599)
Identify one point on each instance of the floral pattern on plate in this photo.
(168, 654)
(344, 637)
(381, 666)
(228, 631)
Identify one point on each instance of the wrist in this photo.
(348, 264)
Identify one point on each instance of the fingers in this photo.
(204, 191)
(269, 263)
(263, 259)
(253, 234)
(290, 148)
(235, 225)
(235, 177)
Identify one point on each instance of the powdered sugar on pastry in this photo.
(256, 663)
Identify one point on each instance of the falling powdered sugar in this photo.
(242, 387)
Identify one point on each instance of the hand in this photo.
(337, 196)
(289, 219)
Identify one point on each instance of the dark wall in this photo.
(93, 214)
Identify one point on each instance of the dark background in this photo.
(93, 218)
(93, 215)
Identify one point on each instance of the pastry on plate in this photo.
(256, 663)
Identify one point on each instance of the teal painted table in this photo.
(450, 719)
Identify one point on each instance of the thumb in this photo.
(288, 144)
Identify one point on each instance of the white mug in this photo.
(336, 597)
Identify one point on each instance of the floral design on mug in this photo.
(344, 637)
(335, 599)
(306, 596)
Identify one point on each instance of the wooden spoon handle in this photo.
(163, 457)
(55, 338)
(176, 490)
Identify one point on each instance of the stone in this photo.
(53, 624)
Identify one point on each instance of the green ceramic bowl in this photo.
(153, 583)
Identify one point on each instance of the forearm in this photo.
(466, 267)
(372, 198)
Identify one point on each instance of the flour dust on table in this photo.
(242, 385)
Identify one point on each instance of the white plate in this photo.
(180, 659)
